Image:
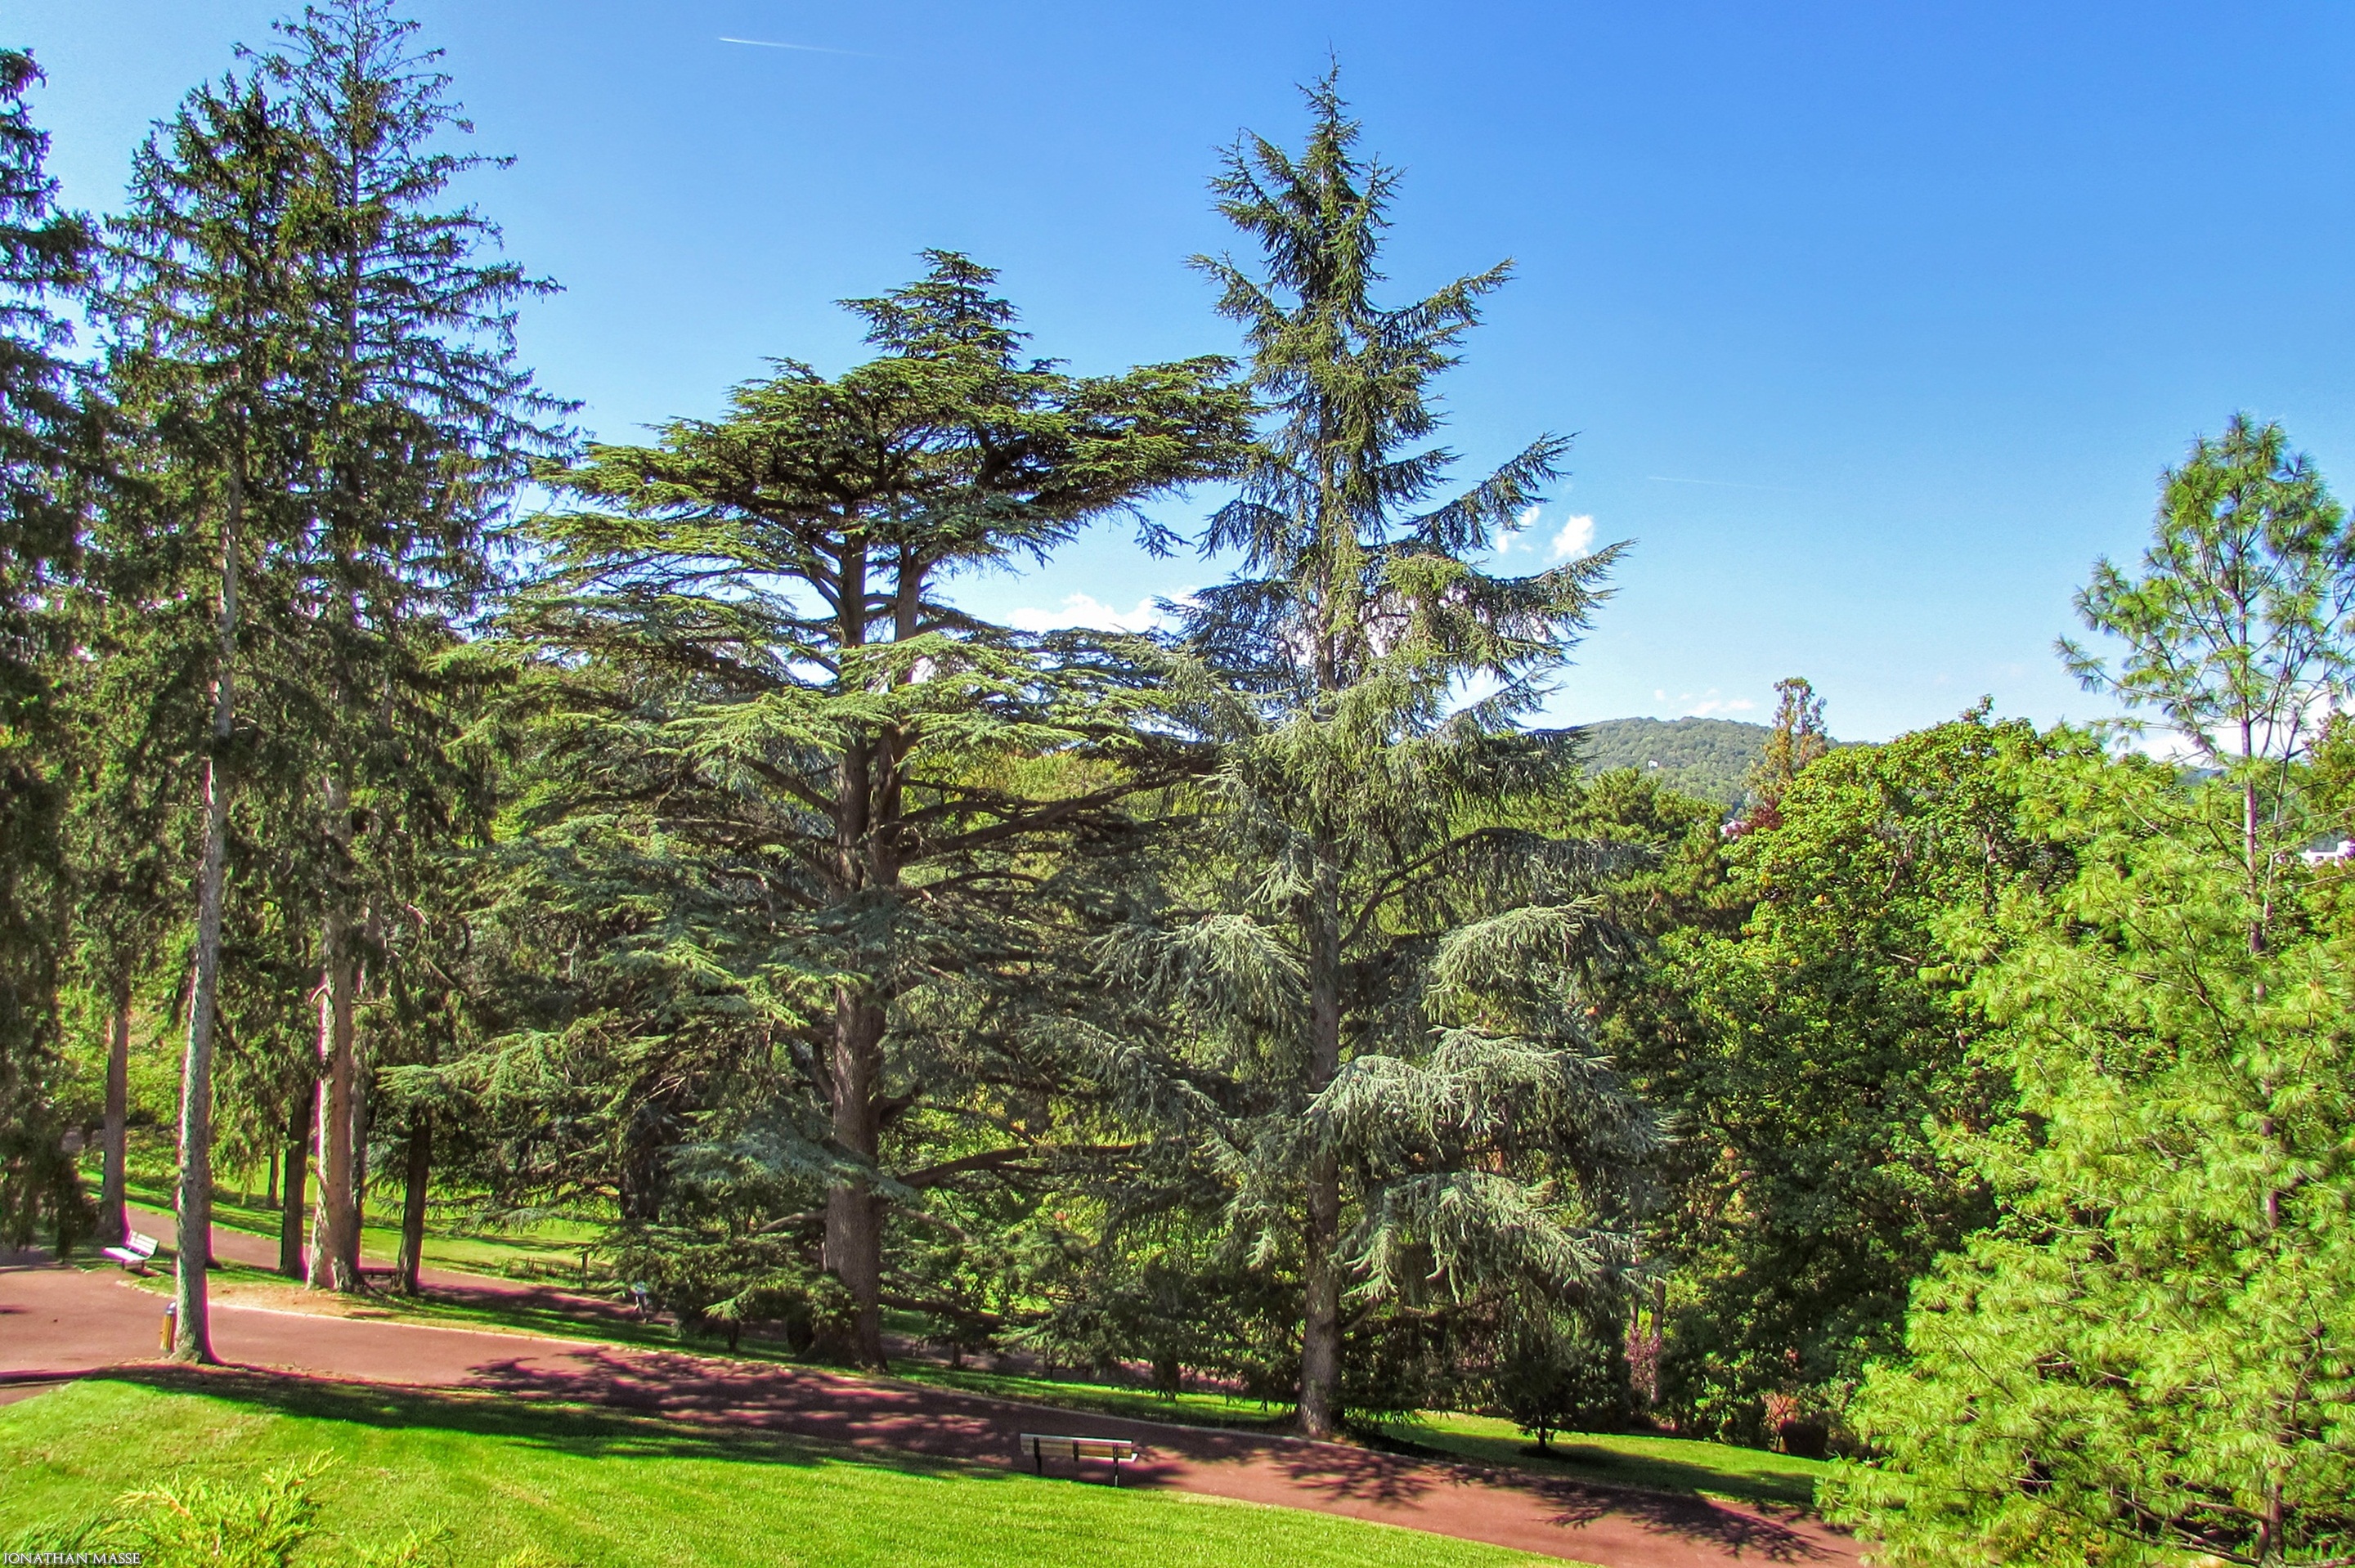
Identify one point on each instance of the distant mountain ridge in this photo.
(1707, 758)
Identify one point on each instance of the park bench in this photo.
(1039, 1444)
(134, 1252)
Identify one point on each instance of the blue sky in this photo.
(1875, 323)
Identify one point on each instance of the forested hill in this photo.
(1704, 757)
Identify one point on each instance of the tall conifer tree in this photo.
(2241, 631)
(44, 458)
(207, 316)
(1383, 985)
(821, 763)
(421, 421)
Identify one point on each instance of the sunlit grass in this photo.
(1624, 1458)
(1192, 1408)
(551, 1250)
(488, 1482)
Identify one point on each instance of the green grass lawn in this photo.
(1662, 1464)
(550, 1250)
(484, 1481)
(1193, 1409)
(1656, 1463)
(513, 1316)
(551, 1253)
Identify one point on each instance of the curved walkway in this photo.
(58, 1322)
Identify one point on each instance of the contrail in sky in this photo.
(1720, 484)
(804, 49)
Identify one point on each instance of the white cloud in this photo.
(1711, 702)
(1512, 539)
(1577, 534)
(1086, 610)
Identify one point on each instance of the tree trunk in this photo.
(113, 1215)
(361, 1111)
(854, 1215)
(192, 1338)
(854, 1219)
(1320, 1330)
(2259, 874)
(291, 1217)
(335, 1240)
(412, 1200)
(269, 1198)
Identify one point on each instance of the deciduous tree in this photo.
(2152, 1358)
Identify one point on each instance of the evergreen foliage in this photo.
(2241, 630)
(46, 457)
(206, 307)
(422, 424)
(1269, 999)
(1563, 1372)
(834, 800)
(1379, 1029)
(2151, 1354)
(1796, 738)
(327, 367)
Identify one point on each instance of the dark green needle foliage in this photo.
(828, 832)
(1563, 1371)
(46, 460)
(1378, 1032)
(206, 302)
(422, 423)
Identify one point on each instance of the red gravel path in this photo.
(58, 1322)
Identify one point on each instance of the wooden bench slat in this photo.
(134, 1253)
(1118, 1450)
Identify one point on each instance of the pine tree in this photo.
(2149, 1359)
(1381, 976)
(45, 463)
(820, 793)
(127, 824)
(2241, 633)
(206, 317)
(422, 422)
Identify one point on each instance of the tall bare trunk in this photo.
(113, 1216)
(1320, 1328)
(2253, 848)
(193, 1337)
(412, 1200)
(290, 1218)
(854, 1219)
(854, 1215)
(335, 1239)
(361, 1125)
